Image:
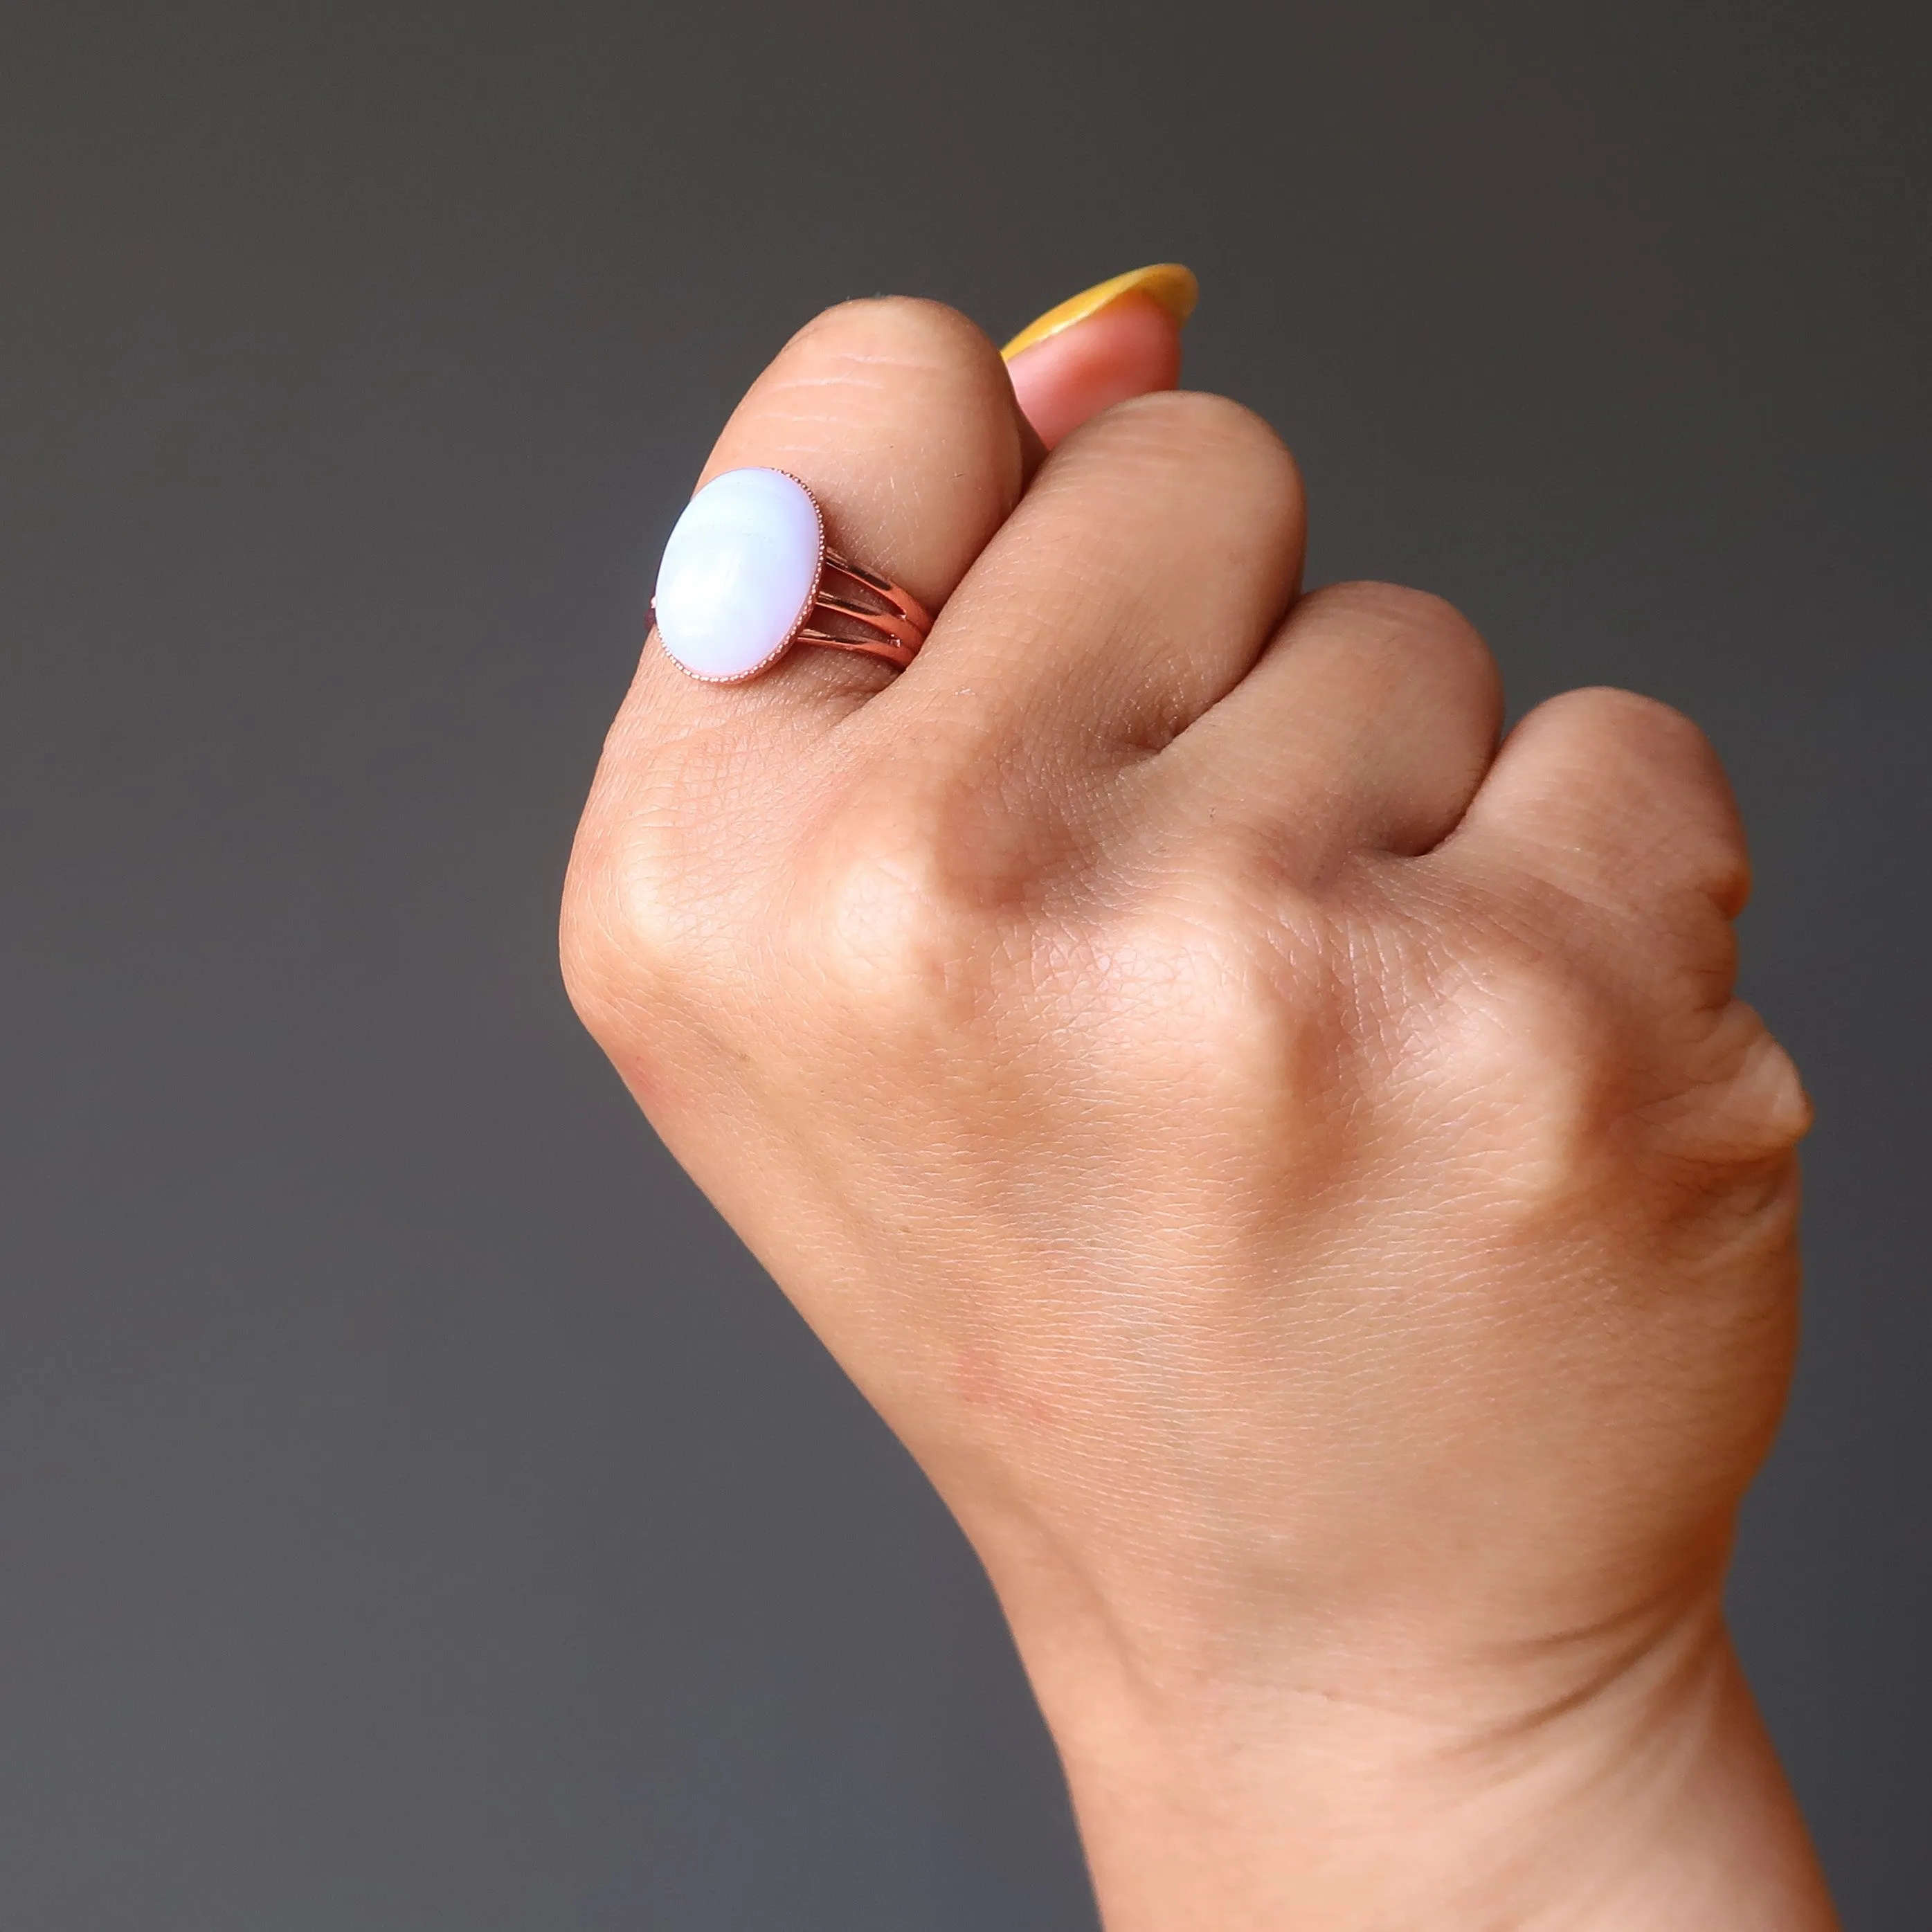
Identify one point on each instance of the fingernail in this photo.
(1170, 285)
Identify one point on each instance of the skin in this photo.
(1294, 1174)
(1129, 348)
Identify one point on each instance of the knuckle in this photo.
(1635, 782)
(1639, 743)
(632, 933)
(1396, 609)
(1564, 1076)
(1233, 985)
(1423, 633)
(597, 975)
(1193, 426)
(1628, 723)
(652, 923)
(1670, 773)
(1538, 1061)
(889, 329)
(1742, 1104)
(892, 911)
(1715, 864)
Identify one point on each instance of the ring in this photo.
(743, 579)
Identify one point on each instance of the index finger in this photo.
(899, 417)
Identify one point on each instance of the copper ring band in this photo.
(894, 633)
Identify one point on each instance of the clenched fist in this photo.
(1296, 1175)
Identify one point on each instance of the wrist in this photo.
(1379, 1796)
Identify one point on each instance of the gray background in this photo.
(416, 1513)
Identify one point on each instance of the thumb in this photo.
(1118, 339)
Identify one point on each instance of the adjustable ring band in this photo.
(745, 577)
(896, 632)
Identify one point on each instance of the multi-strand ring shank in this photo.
(744, 577)
(895, 632)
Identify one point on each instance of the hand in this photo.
(1297, 1178)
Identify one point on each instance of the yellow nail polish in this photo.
(1170, 285)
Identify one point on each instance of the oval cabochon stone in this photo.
(739, 574)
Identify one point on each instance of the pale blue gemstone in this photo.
(739, 574)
